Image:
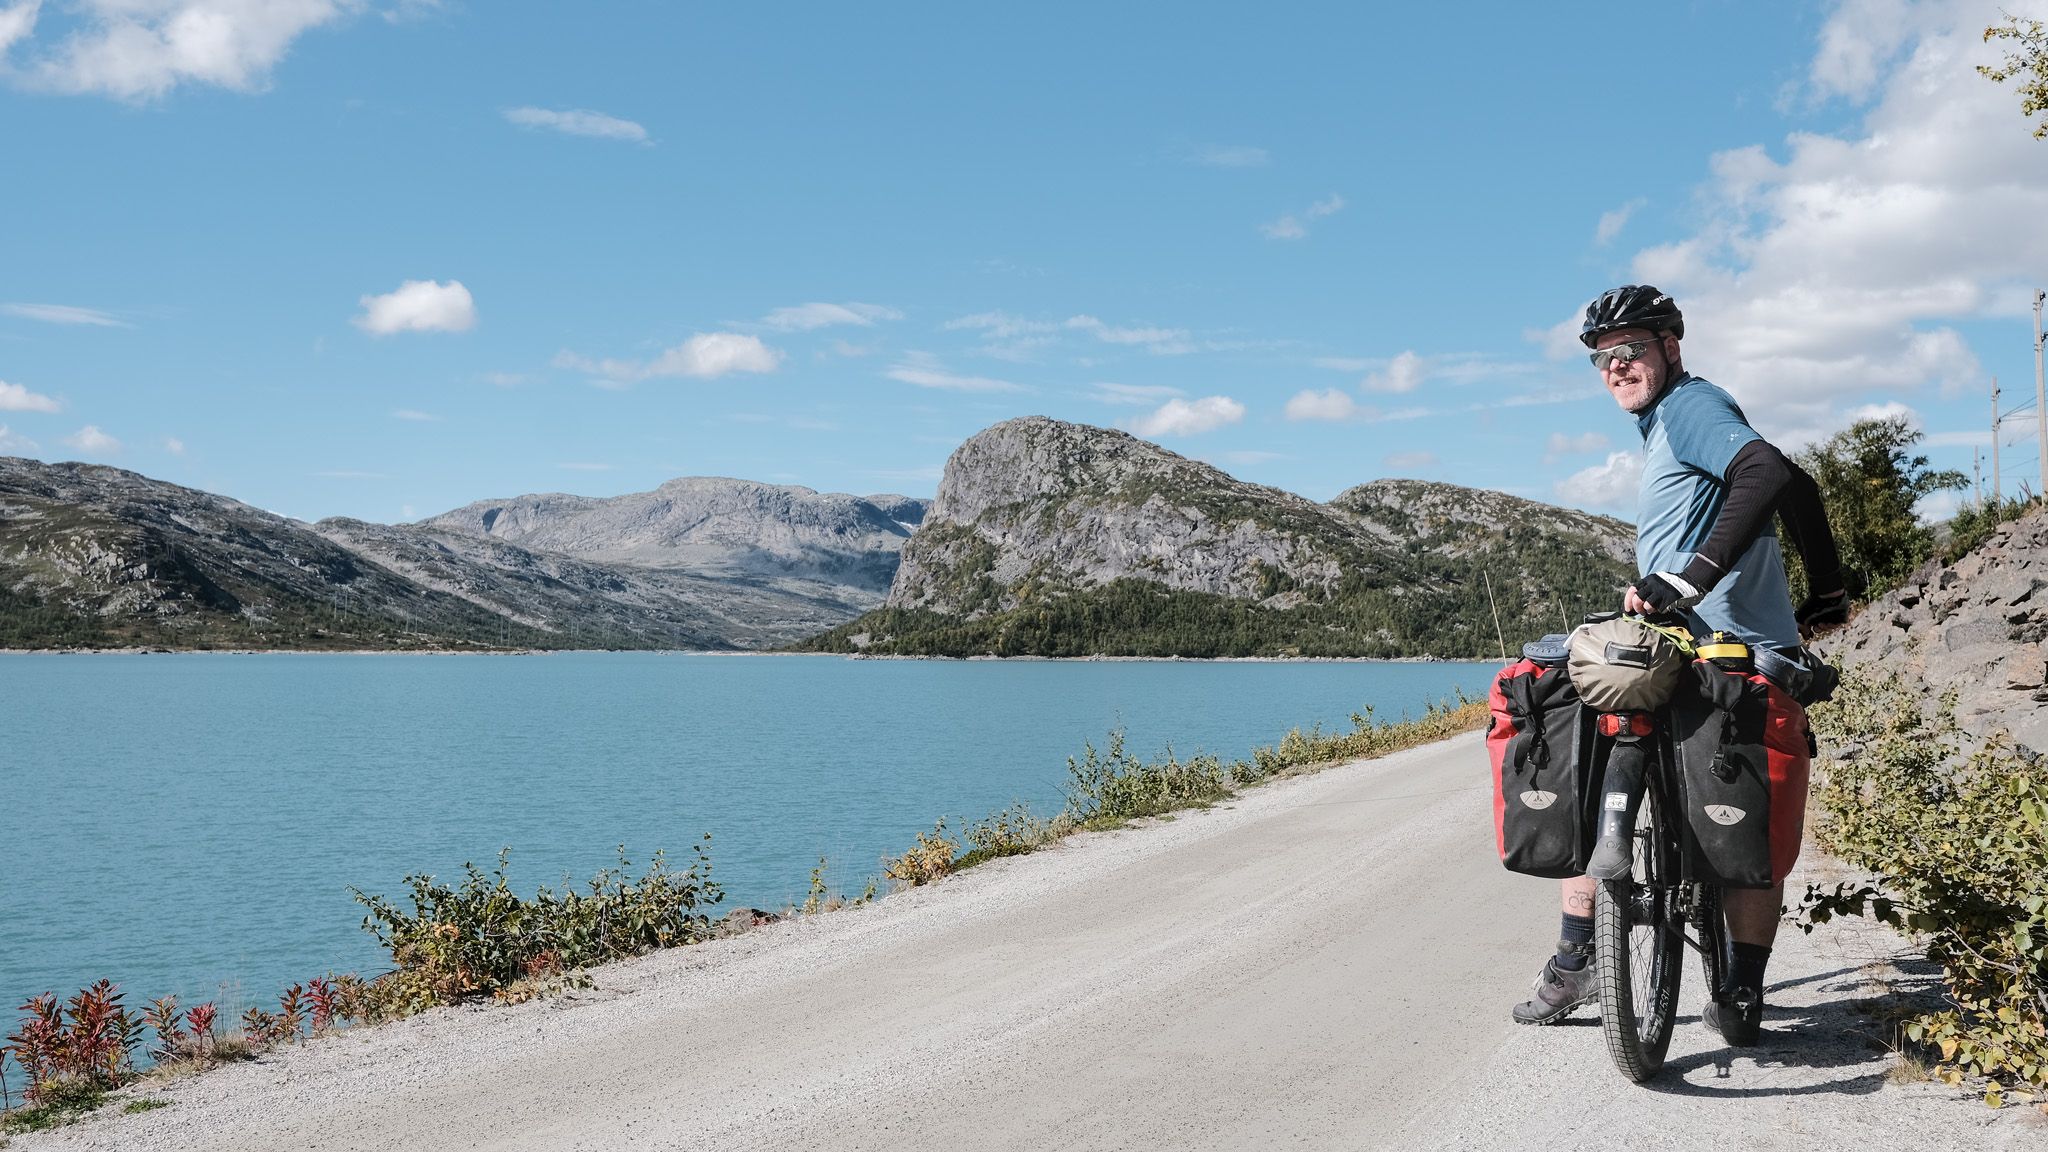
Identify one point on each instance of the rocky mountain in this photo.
(1063, 539)
(1978, 626)
(712, 526)
(582, 604)
(95, 556)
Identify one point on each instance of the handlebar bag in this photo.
(1743, 756)
(1537, 743)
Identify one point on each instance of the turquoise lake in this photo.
(191, 824)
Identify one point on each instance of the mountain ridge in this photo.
(1051, 538)
(97, 556)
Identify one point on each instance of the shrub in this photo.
(77, 1048)
(1955, 834)
(1368, 738)
(1975, 523)
(1107, 788)
(930, 859)
(1011, 832)
(479, 937)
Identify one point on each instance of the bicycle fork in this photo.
(1621, 793)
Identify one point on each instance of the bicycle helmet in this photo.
(1631, 306)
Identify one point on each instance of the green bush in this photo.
(1870, 484)
(479, 937)
(1975, 523)
(1368, 738)
(1955, 835)
(1111, 787)
(929, 860)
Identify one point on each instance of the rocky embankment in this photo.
(1978, 627)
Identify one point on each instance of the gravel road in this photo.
(1325, 962)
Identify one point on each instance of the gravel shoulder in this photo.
(1325, 962)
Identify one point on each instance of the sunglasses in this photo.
(1627, 353)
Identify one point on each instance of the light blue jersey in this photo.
(1690, 434)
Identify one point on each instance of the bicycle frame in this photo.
(1644, 915)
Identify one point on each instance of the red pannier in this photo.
(1743, 752)
(1537, 742)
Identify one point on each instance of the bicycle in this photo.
(1641, 920)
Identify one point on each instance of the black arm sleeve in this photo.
(1760, 481)
(1806, 521)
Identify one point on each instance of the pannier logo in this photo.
(1539, 800)
(1724, 814)
(1629, 655)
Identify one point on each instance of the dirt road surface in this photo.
(1326, 963)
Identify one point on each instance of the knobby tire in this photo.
(1640, 944)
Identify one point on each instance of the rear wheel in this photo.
(1713, 938)
(1641, 942)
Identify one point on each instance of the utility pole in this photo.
(2040, 396)
(1994, 441)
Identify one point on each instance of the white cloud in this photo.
(1410, 461)
(1401, 375)
(999, 325)
(15, 398)
(578, 122)
(1290, 227)
(1342, 363)
(1610, 486)
(1832, 273)
(1165, 341)
(1228, 156)
(1611, 223)
(804, 317)
(1189, 417)
(174, 446)
(705, 356)
(925, 373)
(1331, 405)
(91, 440)
(1884, 411)
(142, 49)
(419, 306)
(12, 442)
(16, 23)
(1285, 228)
(1133, 393)
(851, 350)
(413, 414)
(1562, 445)
(60, 313)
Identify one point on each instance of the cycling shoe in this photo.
(1738, 1017)
(1558, 990)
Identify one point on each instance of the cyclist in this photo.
(1705, 545)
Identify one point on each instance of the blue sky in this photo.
(382, 259)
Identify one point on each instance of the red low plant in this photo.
(291, 1015)
(321, 997)
(87, 1040)
(171, 1038)
(200, 1021)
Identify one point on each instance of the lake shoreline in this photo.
(158, 651)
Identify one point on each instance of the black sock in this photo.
(1747, 971)
(1576, 930)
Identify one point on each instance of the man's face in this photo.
(1635, 384)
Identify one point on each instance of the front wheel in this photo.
(1640, 943)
